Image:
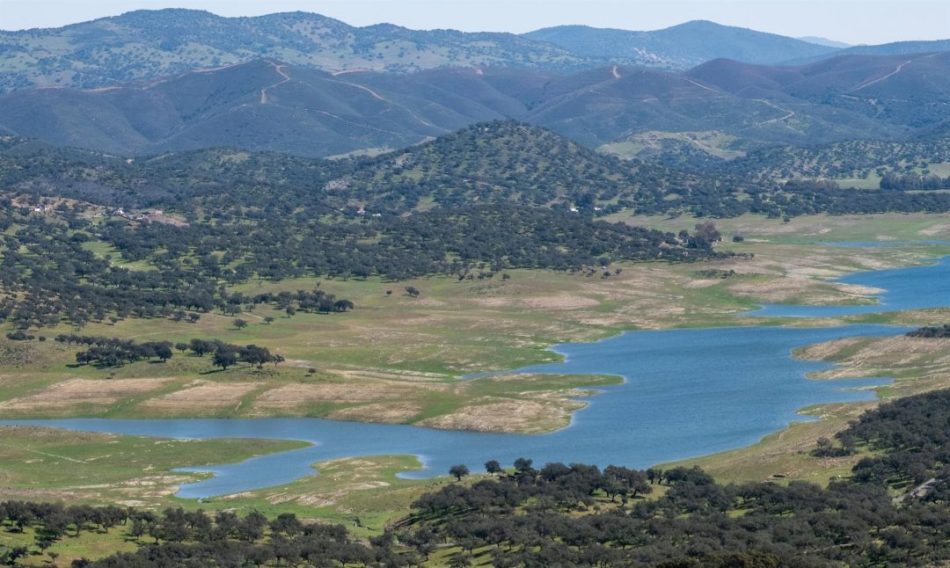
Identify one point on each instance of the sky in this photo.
(850, 21)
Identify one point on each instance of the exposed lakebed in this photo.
(687, 393)
(904, 289)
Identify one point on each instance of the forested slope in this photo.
(496, 195)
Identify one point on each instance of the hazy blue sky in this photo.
(852, 21)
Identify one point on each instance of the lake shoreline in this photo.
(580, 418)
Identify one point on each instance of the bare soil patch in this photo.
(935, 230)
(702, 283)
(522, 416)
(559, 302)
(562, 302)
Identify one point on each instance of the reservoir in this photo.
(687, 392)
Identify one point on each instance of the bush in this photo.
(19, 335)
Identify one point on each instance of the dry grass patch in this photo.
(863, 357)
(786, 455)
(561, 302)
(201, 395)
(783, 274)
(343, 477)
(780, 290)
(81, 392)
(153, 487)
(300, 394)
(828, 349)
(390, 412)
(337, 480)
(414, 377)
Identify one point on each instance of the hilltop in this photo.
(492, 162)
(681, 46)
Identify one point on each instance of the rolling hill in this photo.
(895, 48)
(612, 105)
(273, 106)
(487, 163)
(145, 45)
(498, 164)
(907, 90)
(818, 40)
(491, 162)
(260, 105)
(682, 46)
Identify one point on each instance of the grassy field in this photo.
(714, 143)
(43, 464)
(362, 493)
(89, 545)
(51, 464)
(813, 229)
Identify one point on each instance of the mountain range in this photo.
(147, 45)
(171, 80)
(270, 105)
(682, 46)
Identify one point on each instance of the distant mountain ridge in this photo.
(824, 42)
(147, 45)
(895, 48)
(908, 90)
(301, 83)
(269, 105)
(266, 105)
(681, 46)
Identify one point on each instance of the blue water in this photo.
(883, 244)
(686, 393)
(904, 289)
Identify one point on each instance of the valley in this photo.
(420, 352)
(279, 290)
